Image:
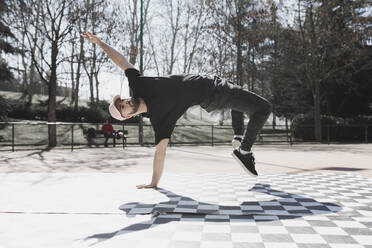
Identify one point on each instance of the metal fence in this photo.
(34, 135)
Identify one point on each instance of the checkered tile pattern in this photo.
(234, 210)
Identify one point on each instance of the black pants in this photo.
(107, 136)
(225, 95)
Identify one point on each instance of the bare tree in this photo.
(192, 32)
(52, 22)
(77, 51)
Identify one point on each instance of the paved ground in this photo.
(305, 196)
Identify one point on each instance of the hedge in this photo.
(95, 113)
(334, 129)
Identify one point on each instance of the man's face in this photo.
(128, 106)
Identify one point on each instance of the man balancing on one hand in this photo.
(166, 99)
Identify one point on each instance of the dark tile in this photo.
(288, 217)
(305, 200)
(248, 217)
(216, 220)
(339, 239)
(300, 212)
(187, 206)
(367, 224)
(321, 223)
(272, 207)
(290, 204)
(252, 212)
(250, 204)
(164, 220)
(193, 215)
(229, 207)
(166, 210)
(321, 208)
(357, 231)
(145, 205)
(300, 230)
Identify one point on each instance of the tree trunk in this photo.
(274, 120)
(239, 60)
(97, 84)
(72, 99)
(91, 88)
(286, 123)
(52, 131)
(317, 113)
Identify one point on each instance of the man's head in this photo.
(122, 109)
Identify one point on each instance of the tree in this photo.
(94, 58)
(53, 22)
(331, 34)
(231, 17)
(5, 45)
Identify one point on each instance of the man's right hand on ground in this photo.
(146, 186)
(91, 38)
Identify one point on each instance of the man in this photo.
(108, 131)
(165, 100)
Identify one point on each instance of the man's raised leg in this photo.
(258, 110)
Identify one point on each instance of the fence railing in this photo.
(31, 135)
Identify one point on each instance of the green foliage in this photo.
(94, 114)
(4, 109)
(333, 128)
(327, 47)
(5, 45)
(5, 73)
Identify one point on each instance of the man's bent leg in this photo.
(237, 122)
(238, 127)
(258, 109)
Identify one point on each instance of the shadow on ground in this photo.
(93, 160)
(288, 206)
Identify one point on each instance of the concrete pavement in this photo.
(306, 196)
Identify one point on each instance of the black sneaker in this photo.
(246, 161)
(236, 142)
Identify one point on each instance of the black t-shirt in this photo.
(167, 98)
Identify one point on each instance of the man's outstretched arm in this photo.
(159, 158)
(114, 55)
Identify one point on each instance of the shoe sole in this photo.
(242, 165)
(235, 144)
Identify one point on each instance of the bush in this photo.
(5, 109)
(65, 113)
(95, 113)
(333, 128)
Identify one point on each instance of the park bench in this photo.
(274, 135)
(91, 134)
